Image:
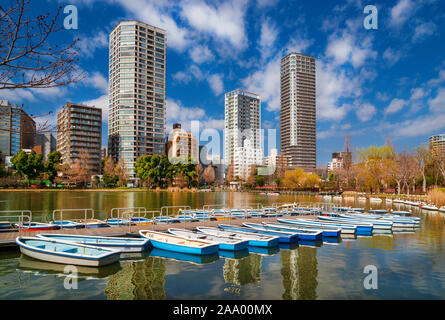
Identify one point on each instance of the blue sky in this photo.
(371, 84)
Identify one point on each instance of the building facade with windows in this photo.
(17, 129)
(242, 131)
(45, 143)
(298, 110)
(438, 142)
(182, 145)
(136, 118)
(79, 134)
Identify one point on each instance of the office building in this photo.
(45, 143)
(298, 110)
(17, 129)
(437, 142)
(342, 159)
(242, 134)
(136, 118)
(79, 133)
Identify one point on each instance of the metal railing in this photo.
(18, 218)
(78, 211)
(167, 212)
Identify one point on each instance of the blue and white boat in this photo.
(166, 219)
(121, 244)
(380, 211)
(93, 223)
(174, 243)
(225, 243)
(239, 213)
(255, 213)
(281, 226)
(255, 240)
(377, 223)
(310, 223)
(186, 218)
(118, 222)
(361, 226)
(141, 221)
(303, 234)
(66, 252)
(68, 224)
(397, 222)
(283, 237)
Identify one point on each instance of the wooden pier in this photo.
(7, 239)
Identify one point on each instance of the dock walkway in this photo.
(7, 239)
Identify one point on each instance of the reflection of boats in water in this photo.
(264, 251)
(185, 257)
(134, 256)
(239, 254)
(332, 240)
(36, 266)
(310, 243)
(288, 246)
(243, 271)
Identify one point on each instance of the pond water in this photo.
(410, 265)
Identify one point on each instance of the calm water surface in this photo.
(411, 265)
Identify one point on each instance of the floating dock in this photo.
(7, 239)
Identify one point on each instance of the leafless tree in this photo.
(27, 58)
(209, 174)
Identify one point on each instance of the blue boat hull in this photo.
(264, 243)
(282, 238)
(95, 226)
(184, 249)
(234, 247)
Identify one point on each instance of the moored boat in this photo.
(284, 237)
(255, 240)
(36, 226)
(141, 221)
(66, 252)
(166, 219)
(174, 243)
(361, 225)
(68, 224)
(303, 234)
(224, 243)
(310, 223)
(122, 244)
(93, 223)
(118, 222)
(284, 227)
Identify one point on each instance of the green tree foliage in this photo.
(27, 165)
(51, 163)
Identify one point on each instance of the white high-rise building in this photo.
(242, 140)
(136, 118)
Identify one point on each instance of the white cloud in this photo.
(88, 45)
(223, 20)
(265, 3)
(216, 83)
(395, 106)
(200, 54)
(96, 80)
(269, 34)
(419, 126)
(158, 13)
(424, 30)
(401, 12)
(183, 77)
(417, 93)
(346, 48)
(365, 112)
(437, 104)
(391, 56)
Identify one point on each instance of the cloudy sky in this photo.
(371, 84)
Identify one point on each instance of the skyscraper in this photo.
(242, 140)
(298, 110)
(17, 129)
(136, 118)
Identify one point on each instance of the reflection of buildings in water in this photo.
(243, 271)
(299, 272)
(138, 280)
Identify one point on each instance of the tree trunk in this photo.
(424, 182)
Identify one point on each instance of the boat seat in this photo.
(72, 250)
(40, 246)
